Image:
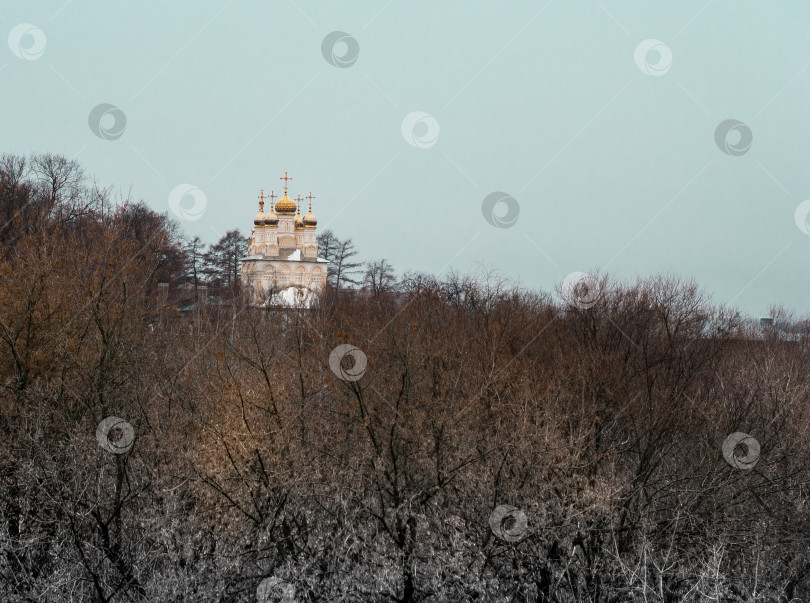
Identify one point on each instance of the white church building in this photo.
(282, 266)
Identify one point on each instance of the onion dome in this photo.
(310, 221)
(285, 205)
(299, 221)
(259, 219)
(271, 219)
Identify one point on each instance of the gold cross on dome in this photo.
(261, 198)
(286, 180)
(272, 196)
(310, 196)
(299, 199)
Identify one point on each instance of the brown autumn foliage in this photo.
(601, 424)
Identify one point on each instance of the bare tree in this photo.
(379, 277)
(60, 182)
(345, 270)
(416, 282)
(16, 212)
(340, 270)
(327, 244)
(194, 259)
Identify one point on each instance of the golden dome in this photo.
(285, 205)
(299, 221)
(259, 219)
(310, 221)
(271, 219)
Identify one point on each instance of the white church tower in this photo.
(282, 263)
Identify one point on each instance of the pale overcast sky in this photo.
(603, 120)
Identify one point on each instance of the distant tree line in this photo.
(375, 277)
(46, 194)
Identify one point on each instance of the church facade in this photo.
(282, 262)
